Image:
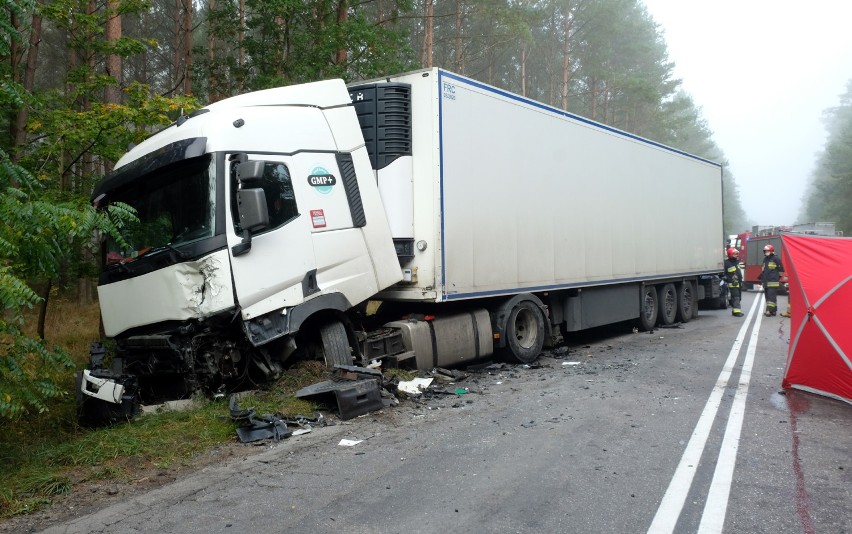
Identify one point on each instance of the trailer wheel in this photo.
(335, 344)
(524, 332)
(648, 309)
(685, 302)
(667, 300)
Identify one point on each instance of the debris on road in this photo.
(356, 390)
(252, 427)
(415, 386)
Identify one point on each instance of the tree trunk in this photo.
(42, 310)
(594, 103)
(176, 45)
(74, 60)
(240, 37)
(85, 284)
(14, 68)
(112, 92)
(212, 89)
(187, 47)
(342, 17)
(145, 25)
(524, 70)
(459, 62)
(566, 55)
(281, 24)
(19, 137)
(87, 159)
(428, 36)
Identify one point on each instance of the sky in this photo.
(762, 72)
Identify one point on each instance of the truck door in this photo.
(281, 256)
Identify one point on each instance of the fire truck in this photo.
(751, 243)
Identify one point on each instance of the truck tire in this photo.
(335, 344)
(648, 309)
(722, 301)
(524, 332)
(685, 302)
(667, 302)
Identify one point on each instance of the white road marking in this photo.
(672, 504)
(713, 517)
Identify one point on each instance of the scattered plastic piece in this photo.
(414, 386)
(349, 442)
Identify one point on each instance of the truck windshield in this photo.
(175, 205)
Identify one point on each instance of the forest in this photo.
(828, 196)
(80, 80)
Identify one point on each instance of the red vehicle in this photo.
(751, 243)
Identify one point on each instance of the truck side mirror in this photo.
(250, 170)
(254, 216)
(251, 204)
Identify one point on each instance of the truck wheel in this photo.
(685, 302)
(667, 299)
(335, 344)
(722, 301)
(524, 332)
(648, 309)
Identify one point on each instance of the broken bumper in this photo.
(104, 397)
(105, 389)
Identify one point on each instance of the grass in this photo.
(48, 454)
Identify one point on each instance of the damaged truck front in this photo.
(224, 267)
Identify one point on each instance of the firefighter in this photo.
(733, 277)
(771, 278)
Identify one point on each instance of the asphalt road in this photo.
(679, 430)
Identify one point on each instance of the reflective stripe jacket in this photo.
(772, 270)
(733, 273)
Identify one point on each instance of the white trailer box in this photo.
(503, 195)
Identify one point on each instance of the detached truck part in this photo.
(483, 221)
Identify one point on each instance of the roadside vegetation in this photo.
(46, 454)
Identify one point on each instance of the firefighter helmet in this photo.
(733, 253)
(769, 248)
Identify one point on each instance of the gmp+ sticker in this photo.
(321, 180)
